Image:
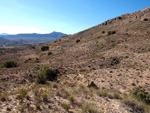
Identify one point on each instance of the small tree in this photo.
(10, 64)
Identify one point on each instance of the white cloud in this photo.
(21, 29)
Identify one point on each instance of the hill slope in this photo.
(97, 69)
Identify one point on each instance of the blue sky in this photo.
(68, 16)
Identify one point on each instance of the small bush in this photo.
(111, 32)
(44, 48)
(145, 19)
(41, 78)
(140, 94)
(119, 17)
(77, 41)
(103, 32)
(46, 75)
(10, 64)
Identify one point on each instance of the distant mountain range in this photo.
(28, 39)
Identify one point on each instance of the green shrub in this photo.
(10, 64)
(41, 78)
(46, 74)
(77, 41)
(111, 32)
(140, 94)
(44, 48)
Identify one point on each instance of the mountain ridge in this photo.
(30, 38)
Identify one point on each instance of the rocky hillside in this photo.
(104, 69)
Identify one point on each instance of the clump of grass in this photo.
(140, 94)
(109, 94)
(90, 108)
(22, 94)
(45, 97)
(71, 98)
(66, 106)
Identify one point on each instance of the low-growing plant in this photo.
(44, 48)
(22, 94)
(66, 106)
(10, 64)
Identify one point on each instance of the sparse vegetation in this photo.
(10, 64)
(44, 48)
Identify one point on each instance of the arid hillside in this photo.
(104, 69)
